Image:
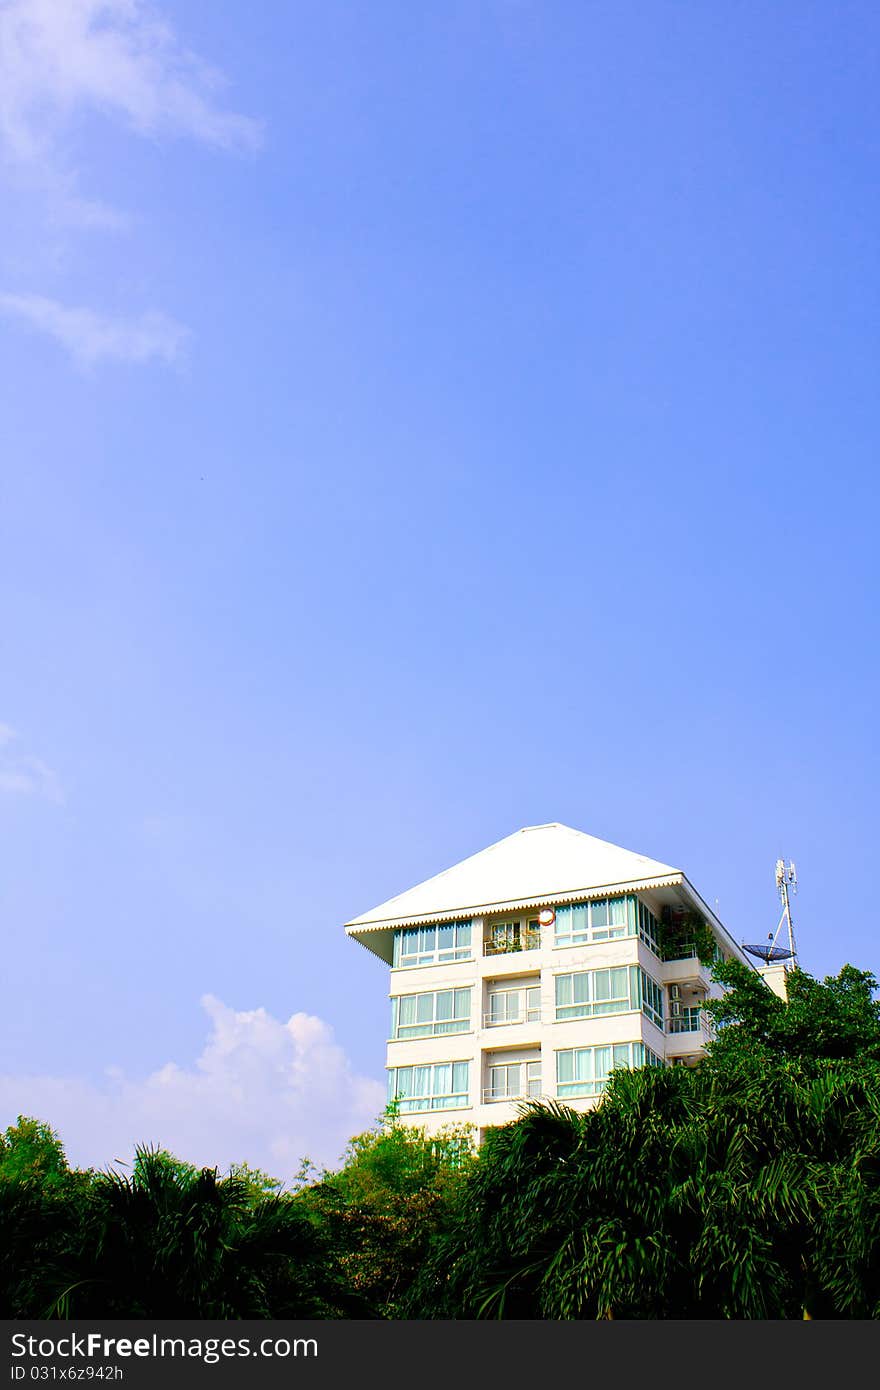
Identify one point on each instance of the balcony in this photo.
(491, 1094)
(521, 1004)
(508, 943)
(688, 971)
(680, 950)
(496, 1020)
(691, 1020)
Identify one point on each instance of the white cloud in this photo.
(24, 775)
(90, 337)
(117, 57)
(262, 1091)
(65, 60)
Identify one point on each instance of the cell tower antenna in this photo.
(786, 886)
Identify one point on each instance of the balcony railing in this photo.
(681, 950)
(502, 946)
(493, 1093)
(690, 1020)
(523, 1016)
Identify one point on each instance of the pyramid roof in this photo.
(540, 863)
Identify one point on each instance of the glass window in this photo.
(584, 1071)
(426, 1015)
(603, 920)
(616, 990)
(687, 1020)
(443, 1002)
(442, 1086)
(514, 1080)
(504, 1082)
(515, 1005)
(652, 999)
(505, 1008)
(649, 928)
(512, 935)
(450, 941)
(591, 993)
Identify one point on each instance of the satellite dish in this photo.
(546, 916)
(768, 953)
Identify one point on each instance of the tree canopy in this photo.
(31, 1151)
(688, 1192)
(835, 1019)
(747, 1186)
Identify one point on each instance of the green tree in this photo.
(380, 1210)
(746, 1187)
(748, 1192)
(41, 1210)
(836, 1019)
(175, 1241)
(30, 1150)
(257, 1184)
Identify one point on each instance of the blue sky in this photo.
(418, 421)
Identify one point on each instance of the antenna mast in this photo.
(786, 885)
(786, 878)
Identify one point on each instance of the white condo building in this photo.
(533, 969)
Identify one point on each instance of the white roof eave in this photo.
(356, 927)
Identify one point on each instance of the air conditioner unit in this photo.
(675, 991)
(675, 1008)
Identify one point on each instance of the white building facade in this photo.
(534, 968)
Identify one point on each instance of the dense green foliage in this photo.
(170, 1241)
(748, 1186)
(686, 1193)
(745, 1187)
(381, 1210)
(173, 1240)
(837, 1019)
(684, 932)
(32, 1151)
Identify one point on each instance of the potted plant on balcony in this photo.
(682, 933)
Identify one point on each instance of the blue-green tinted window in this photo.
(617, 990)
(649, 928)
(428, 1015)
(436, 945)
(652, 999)
(584, 1071)
(443, 1086)
(590, 993)
(606, 919)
